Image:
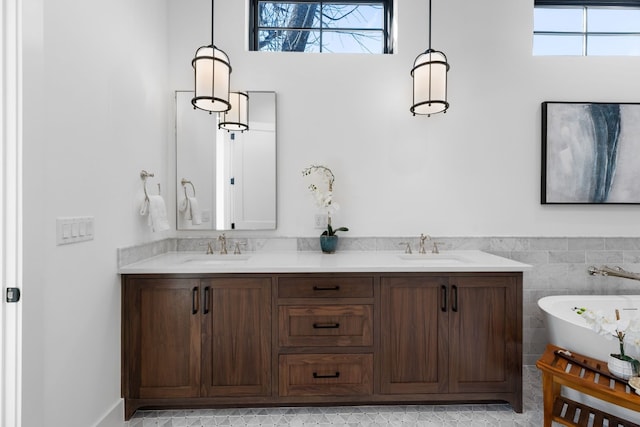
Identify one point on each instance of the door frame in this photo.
(11, 212)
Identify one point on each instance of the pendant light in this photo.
(237, 118)
(430, 80)
(212, 69)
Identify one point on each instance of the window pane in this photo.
(613, 20)
(295, 15)
(557, 45)
(613, 45)
(289, 41)
(557, 19)
(314, 26)
(352, 41)
(352, 15)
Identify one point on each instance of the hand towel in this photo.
(194, 211)
(157, 211)
(184, 206)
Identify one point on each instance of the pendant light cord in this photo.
(212, 19)
(429, 24)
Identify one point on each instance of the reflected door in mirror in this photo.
(226, 180)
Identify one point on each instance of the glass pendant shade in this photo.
(430, 83)
(212, 72)
(237, 118)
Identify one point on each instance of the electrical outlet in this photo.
(320, 221)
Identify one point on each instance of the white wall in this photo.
(473, 171)
(96, 111)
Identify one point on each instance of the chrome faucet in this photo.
(407, 249)
(422, 239)
(223, 244)
(613, 271)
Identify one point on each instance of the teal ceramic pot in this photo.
(328, 244)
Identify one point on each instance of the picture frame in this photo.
(590, 153)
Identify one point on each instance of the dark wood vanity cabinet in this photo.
(325, 337)
(453, 335)
(193, 338)
(216, 340)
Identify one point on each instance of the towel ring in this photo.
(184, 183)
(144, 175)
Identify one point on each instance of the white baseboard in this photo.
(113, 417)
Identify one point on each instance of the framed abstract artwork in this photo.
(590, 153)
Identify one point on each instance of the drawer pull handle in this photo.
(206, 300)
(323, 288)
(336, 375)
(194, 300)
(454, 303)
(326, 325)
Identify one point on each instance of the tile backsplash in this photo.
(560, 264)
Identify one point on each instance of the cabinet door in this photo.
(236, 337)
(162, 338)
(485, 331)
(414, 340)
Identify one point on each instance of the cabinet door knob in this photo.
(336, 375)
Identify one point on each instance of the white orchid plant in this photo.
(324, 199)
(614, 327)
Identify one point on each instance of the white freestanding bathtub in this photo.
(569, 330)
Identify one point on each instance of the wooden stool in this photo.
(589, 376)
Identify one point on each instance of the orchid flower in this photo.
(324, 200)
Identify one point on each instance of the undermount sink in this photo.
(217, 259)
(441, 259)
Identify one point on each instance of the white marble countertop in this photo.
(317, 262)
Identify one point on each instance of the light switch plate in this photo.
(320, 221)
(74, 229)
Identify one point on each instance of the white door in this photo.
(10, 214)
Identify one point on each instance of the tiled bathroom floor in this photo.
(414, 415)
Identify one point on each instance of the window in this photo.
(586, 27)
(352, 26)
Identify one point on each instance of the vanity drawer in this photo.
(326, 325)
(326, 374)
(325, 287)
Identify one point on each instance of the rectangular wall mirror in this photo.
(226, 180)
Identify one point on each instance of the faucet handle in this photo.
(435, 249)
(209, 246)
(236, 250)
(407, 249)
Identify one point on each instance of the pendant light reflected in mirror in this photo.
(430, 80)
(237, 117)
(212, 73)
